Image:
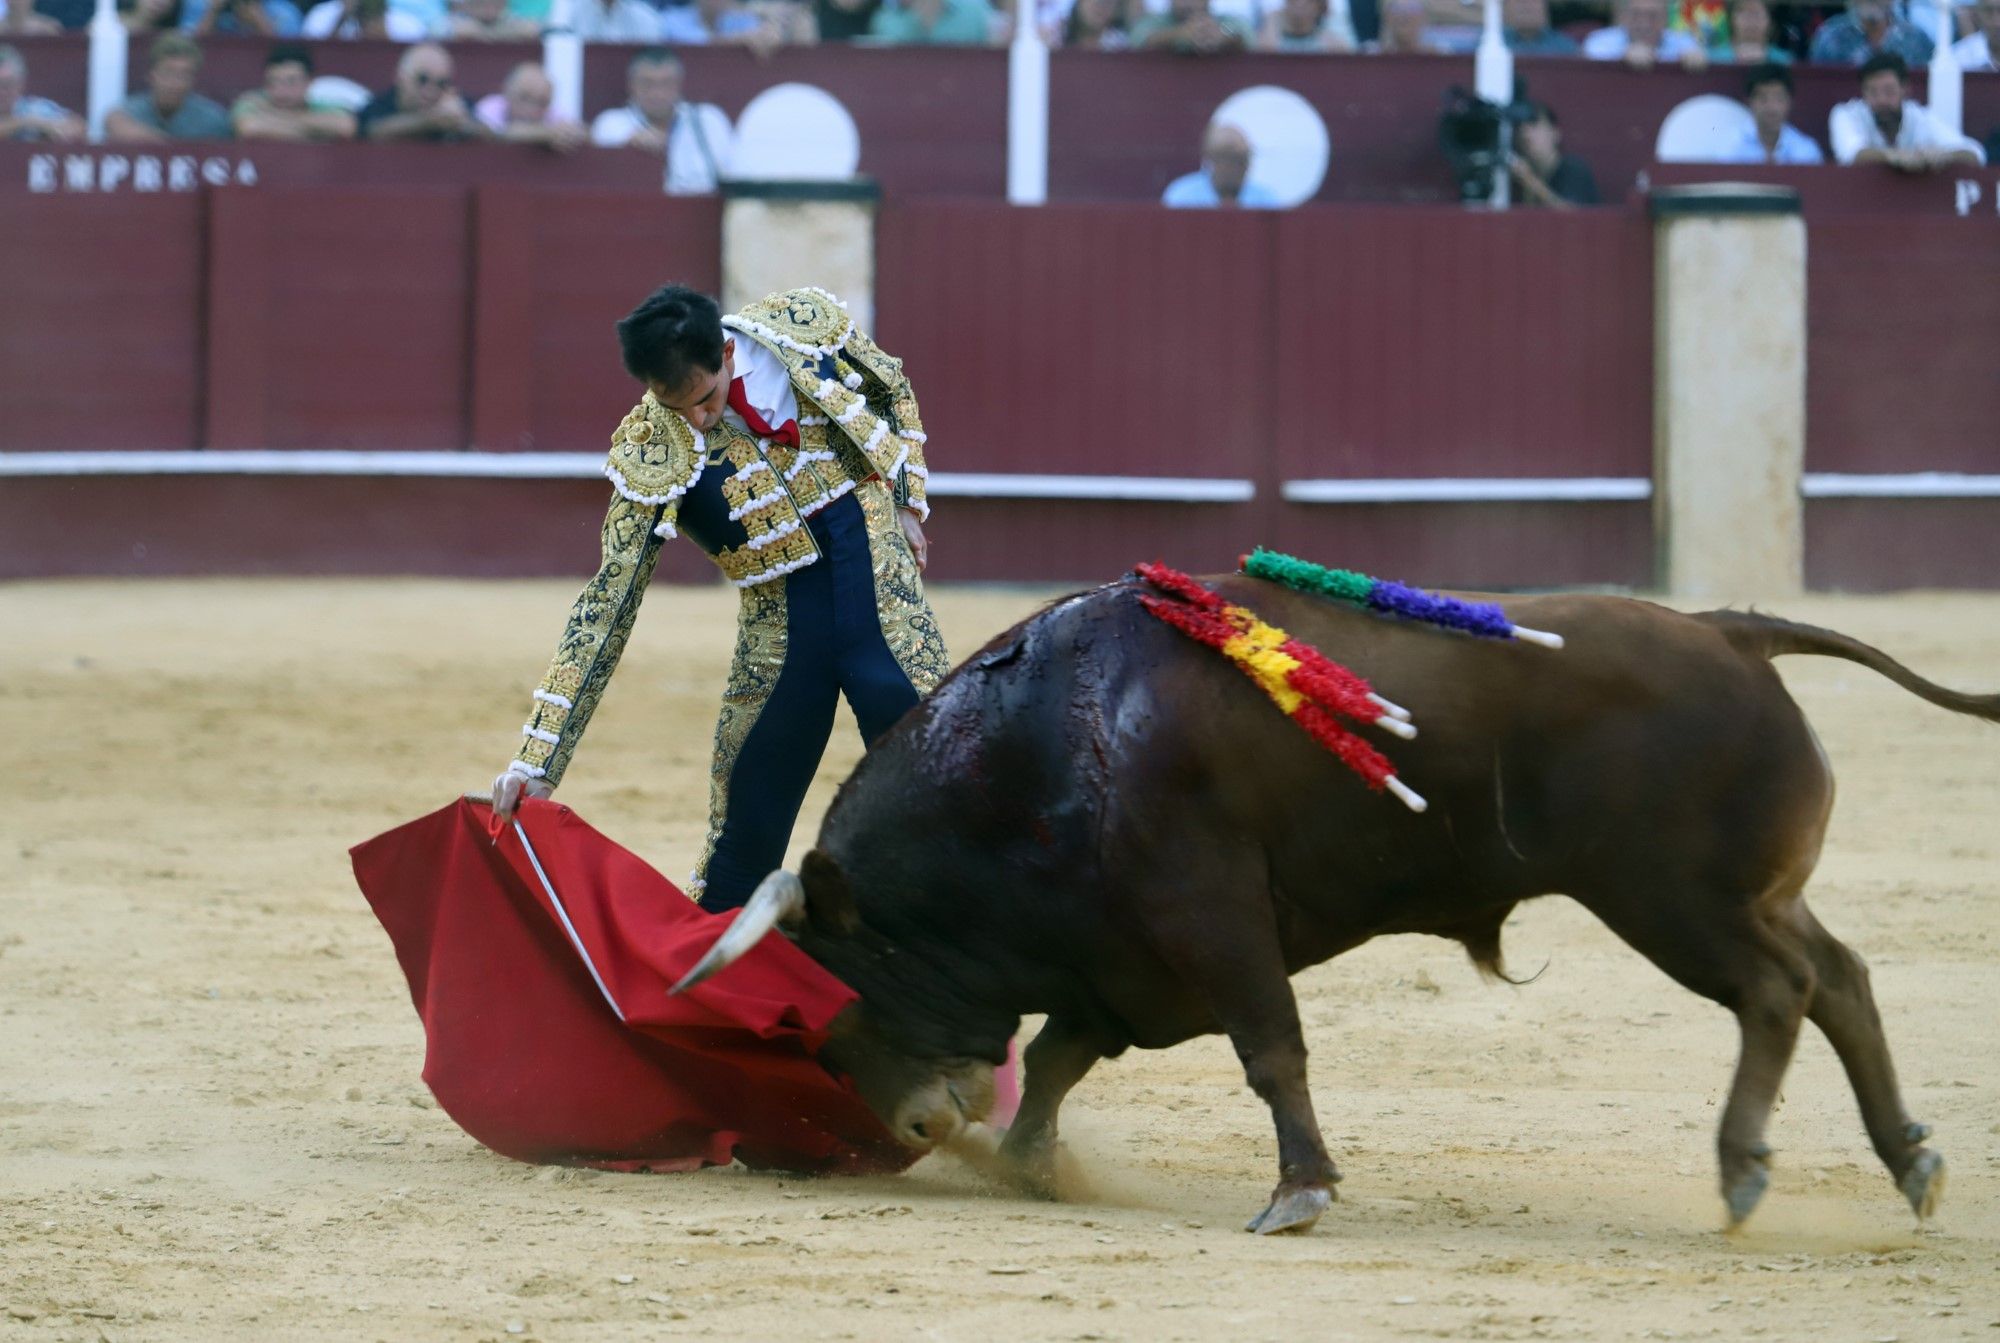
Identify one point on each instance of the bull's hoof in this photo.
(1293, 1208)
(1744, 1196)
(1744, 1181)
(1923, 1184)
(1041, 1168)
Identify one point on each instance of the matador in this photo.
(787, 445)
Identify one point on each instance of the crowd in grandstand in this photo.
(1640, 32)
(1883, 38)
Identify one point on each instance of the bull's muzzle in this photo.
(939, 1111)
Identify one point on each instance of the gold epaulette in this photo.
(655, 455)
(808, 322)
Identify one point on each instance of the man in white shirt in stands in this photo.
(1884, 126)
(696, 138)
(1641, 38)
(1979, 51)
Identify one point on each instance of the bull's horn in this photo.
(779, 897)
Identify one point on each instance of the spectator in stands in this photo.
(1979, 51)
(41, 18)
(169, 109)
(616, 21)
(522, 113)
(1884, 126)
(364, 18)
(936, 23)
(490, 21)
(1748, 41)
(25, 117)
(719, 23)
(1096, 25)
(844, 20)
(1642, 39)
(695, 138)
(1305, 26)
(1192, 28)
(1771, 138)
(791, 20)
(21, 20)
(1706, 21)
(150, 16)
(422, 105)
(282, 109)
(1545, 175)
(1406, 30)
(1528, 32)
(1223, 179)
(255, 18)
(1867, 29)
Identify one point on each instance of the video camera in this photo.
(1469, 134)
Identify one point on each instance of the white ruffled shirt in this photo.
(767, 383)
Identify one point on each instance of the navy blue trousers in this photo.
(834, 646)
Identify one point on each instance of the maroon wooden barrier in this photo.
(1902, 325)
(1105, 340)
(1478, 545)
(555, 271)
(1428, 343)
(1121, 340)
(1097, 340)
(1902, 375)
(189, 166)
(100, 324)
(337, 319)
(159, 526)
(1961, 193)
(1890, 545)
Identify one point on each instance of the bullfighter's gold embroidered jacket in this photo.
(744, 500)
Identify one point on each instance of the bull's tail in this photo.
(1759, 635)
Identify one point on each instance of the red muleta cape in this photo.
(516, 990)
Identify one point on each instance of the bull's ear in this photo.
(829, 899)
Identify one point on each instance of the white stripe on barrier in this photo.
(1165, 489)
(1462, 490)
(976, 485)
(260, 462)
(1917, 485)
(578, 466)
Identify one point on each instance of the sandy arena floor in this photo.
(211, 1124)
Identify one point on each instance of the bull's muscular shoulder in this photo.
(653, 454)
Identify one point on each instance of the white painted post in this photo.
(1947, 77)
(1027, 111)
(108, 49)
(562, 61)
(1493, 81)
(1729, 391)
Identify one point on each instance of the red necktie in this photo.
(787, 433)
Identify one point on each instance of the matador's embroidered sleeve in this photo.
(599, 625)
(903, 467)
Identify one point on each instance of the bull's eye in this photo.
(918, 1129)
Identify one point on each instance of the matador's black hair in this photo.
(672, 335)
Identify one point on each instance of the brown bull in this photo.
(1097, 819)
